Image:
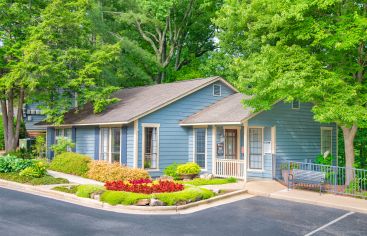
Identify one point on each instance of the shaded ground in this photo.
(25, 214)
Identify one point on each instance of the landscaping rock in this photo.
(143, 202)
(181, 202)
(156, 202)
(207, 176)
(216, 191)
(97, 195)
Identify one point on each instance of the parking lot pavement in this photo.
(25, 214)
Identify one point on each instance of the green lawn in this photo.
(45, 180)
(199, 182)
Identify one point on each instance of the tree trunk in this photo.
(11, 133)
(349, 134)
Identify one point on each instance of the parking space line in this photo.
(330, 223)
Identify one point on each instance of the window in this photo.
(66, 133)
(200, 147)
(255, 148)
(217, 90)
(296, 104)
(110, 144)
(150, 146)
(326, 140)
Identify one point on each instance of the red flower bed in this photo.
(146, 186)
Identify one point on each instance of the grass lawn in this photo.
(45, 180)
(199, 181)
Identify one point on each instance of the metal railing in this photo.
(338, 180)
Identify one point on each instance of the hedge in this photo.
(71, 163)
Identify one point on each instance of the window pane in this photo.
(255, 148)
(105, 135)
(115, 145)
(67, 134)
(151, 147)
(200, 147)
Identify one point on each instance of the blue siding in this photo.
(173, 139)
(86, 141)
(298, 135)
(50, 141)
(124, 145)
(130, 144)
(96, 142)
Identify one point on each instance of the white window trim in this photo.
(220, 90)
(149, 125)
(299, 105)
(206, 148)
(331, 141)
(248, 149)
(109, 158)
(238, 140)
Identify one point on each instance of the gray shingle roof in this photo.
(137, 102)
(227, 110)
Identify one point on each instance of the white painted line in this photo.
(330, 223)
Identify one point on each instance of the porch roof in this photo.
(229, 110)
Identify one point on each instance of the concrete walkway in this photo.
(73, 178)
(274, 189)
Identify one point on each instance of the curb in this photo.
(91, 203)
(307, 201)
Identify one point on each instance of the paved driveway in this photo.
(25, 214)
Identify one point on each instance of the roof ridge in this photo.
(174, 82)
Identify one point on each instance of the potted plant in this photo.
(188, 171)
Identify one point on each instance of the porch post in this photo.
(214, 150)
(245, 150)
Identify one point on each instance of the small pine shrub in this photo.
(189, 168)
(171, 170)
(103, 171)
(71, 163)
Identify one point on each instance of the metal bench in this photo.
(307, 177)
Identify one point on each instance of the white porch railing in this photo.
(230, 168)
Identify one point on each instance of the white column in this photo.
(273, 149)
(136, 143)
(214, 149)
(245, 149)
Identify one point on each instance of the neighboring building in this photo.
(32, 115)
(200, 121)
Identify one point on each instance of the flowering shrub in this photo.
(145, 186)
(104, 171)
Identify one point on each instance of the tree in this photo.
(16, 19)
(176, 31)
(313, 51)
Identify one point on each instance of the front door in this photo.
(230, 144)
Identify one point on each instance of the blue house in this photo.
(200, 121)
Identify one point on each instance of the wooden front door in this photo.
(230, 144)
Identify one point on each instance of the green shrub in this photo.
(40, 146)
(189, 168)
(86, 190)
(22, 153)
(124, 198)
(62, 145)
(13, 164)
(190, 194)
(45, 180)
(171, 170)
(328, 160)
(67, 189)
(37, 170)
(71, 163)
(199, 181)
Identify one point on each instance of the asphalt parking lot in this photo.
(25, 214)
